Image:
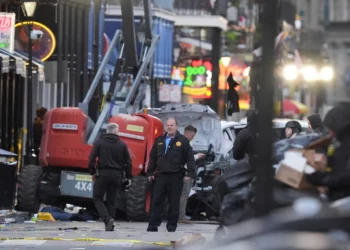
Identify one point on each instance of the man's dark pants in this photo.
(169, 186)
(108, 182)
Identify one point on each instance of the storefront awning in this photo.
(20, 63)
(37, 62)
(195, 43)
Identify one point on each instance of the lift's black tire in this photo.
(139, 199)
(49, 192)
(27, 191)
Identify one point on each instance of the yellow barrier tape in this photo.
(103, 102)
(88, 239)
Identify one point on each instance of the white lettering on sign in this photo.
(70, 177)
(83, 186)
(65, 126)
(7, 31)
(137, 137)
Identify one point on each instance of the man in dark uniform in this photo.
(168, 157)
(244, 145)
(113, 160)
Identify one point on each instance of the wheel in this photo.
(217, 195)
(49, 192)
(27, 192)
(139, 199)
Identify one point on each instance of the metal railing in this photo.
(85, 104)
(193, 7)
(135, 86)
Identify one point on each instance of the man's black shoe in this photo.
(152, 229)
(109, 225)
(171, 230)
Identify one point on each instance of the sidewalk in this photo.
(92, 233)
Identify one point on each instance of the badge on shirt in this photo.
(178, 144)
(160, 143)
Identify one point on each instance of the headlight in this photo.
(309, 73)
(327, 73)
(290, 72)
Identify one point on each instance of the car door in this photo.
(227, 146)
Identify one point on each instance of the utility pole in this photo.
(264, 102)
(95, 103)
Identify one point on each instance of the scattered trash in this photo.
(194, 239)
(10, 220)
(19, 219)
(4, 212)
(46, 217)
(68, 228)
(34, 218)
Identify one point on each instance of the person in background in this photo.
(37, 129)
(189, 133)
(113, 160)
(169, 154)
(337, 180)
(292, 129)
(315, 124)
(244, 145)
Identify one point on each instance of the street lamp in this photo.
(327, 73)
(226, 59)
(246, 72)
(290, 72)
(28, 8)
(310, 73)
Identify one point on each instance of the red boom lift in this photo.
(69, 133)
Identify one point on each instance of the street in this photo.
(91, 235)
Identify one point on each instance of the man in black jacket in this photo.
(337, 121)
(244, 145)
(113, 160)
(168, 157)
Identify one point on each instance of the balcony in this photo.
(160, 8)
(194, 7)
(201, 13)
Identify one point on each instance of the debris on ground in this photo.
(46, 217)
(189, 240)
(10, 220)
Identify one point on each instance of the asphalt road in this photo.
(91, 235)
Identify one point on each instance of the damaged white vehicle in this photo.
(214, 138)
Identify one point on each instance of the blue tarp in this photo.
(4, 153)
(163, 58)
